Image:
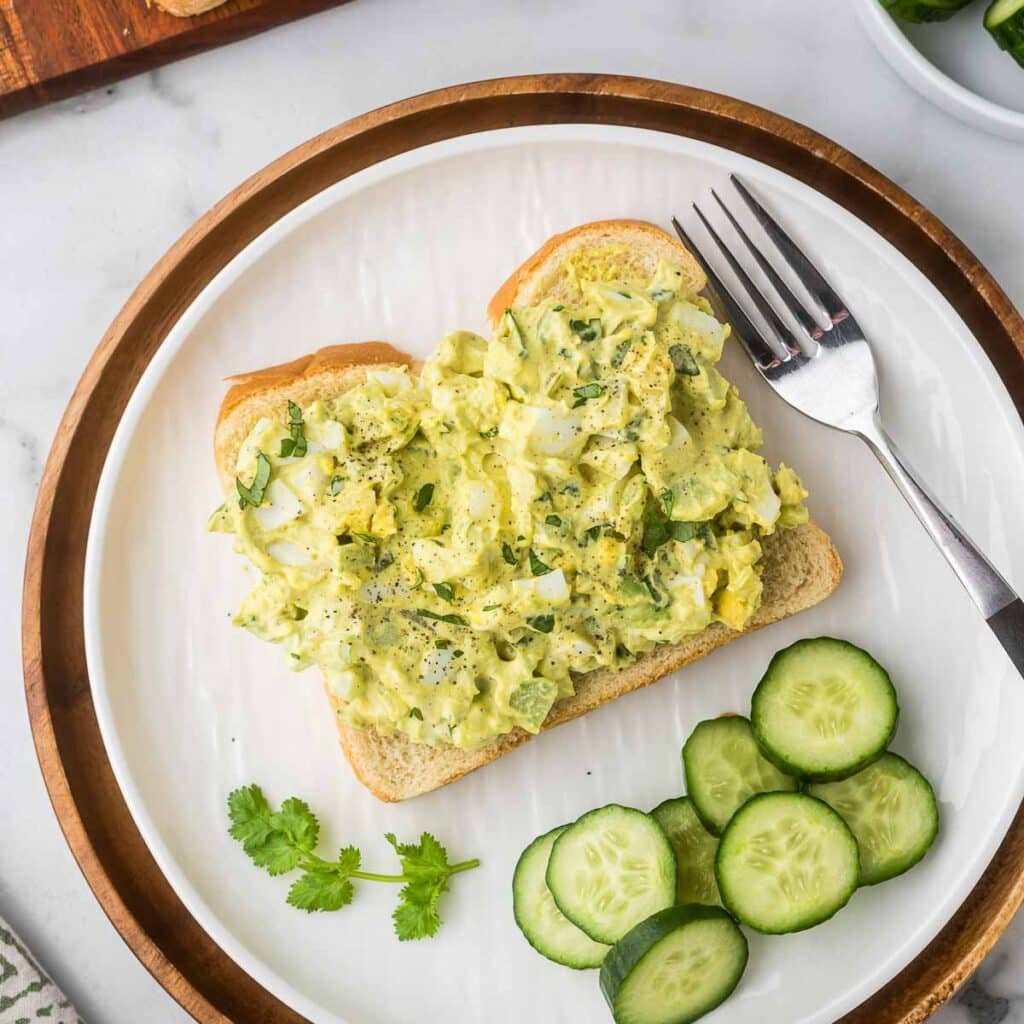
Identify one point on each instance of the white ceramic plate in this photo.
(956, 64)
(191, 707)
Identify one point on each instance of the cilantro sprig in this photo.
(284, 840)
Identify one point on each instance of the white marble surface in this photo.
(92, 191)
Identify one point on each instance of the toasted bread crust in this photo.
(801, 566)
(547, 260)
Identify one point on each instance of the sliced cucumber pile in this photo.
(724, 768)
(786, 862)
(891, 810)
(546, 928)
(824, 709)
(674, 967)
(695, 848)
(648, 897)
(924, 10)
(611, 869)
(1005, 21)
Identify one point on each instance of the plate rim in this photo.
(90, 808)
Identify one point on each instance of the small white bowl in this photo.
(963, 49)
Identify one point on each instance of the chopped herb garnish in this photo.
(541, 623)
(418, 582)
(442, 645)
(491, 607)
(658, 529)
(668, 499)
(457, 653)
(553, 520)
(254, 493)
(493, 432)
(336, 485)
(587, 391)
(661, 294)
(537, 567)
(621, 350)
(366, 538)
(444, 591)
(451, 619)
(294, 446)
(343, 539)
(298, 614)
(509, 555)
(384, 561)
(586, 330)
(684, 361)
(594, 532)
(557, 309)
(416, 713)
(423, 497)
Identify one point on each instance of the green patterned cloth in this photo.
(27, 996)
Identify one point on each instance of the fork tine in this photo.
(792, 303)
(805, 270)
(781, 331)
(761, 353)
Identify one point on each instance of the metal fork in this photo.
(829, 375)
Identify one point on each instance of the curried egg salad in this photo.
(451, 548)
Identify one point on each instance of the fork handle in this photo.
(996, 599)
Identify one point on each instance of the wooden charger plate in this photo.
(92, 812)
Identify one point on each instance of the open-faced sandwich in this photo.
(520, 529)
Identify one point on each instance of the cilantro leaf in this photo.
(349, 860)
(277, 853)
(541, 623)
(509, 555)
(250, 815)
(295, 444)
(444, 591)
(298, 822)
(553, 520)
(321, 890)
(416, 915)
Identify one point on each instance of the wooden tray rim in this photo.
(209, 985)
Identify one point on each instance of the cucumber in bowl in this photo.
(923, 11)
(724, 768)
(824, 709)
(674, 967)
(891, 810)
(1004, 20)
(610, 870)
(543, 925)
(786, 862)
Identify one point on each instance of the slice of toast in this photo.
(187, 8)
(801, 566)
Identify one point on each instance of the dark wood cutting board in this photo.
(51, 49)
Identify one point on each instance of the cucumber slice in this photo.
(824, 709)
(545, 927)
(1005, 21)
(724, 768)
(611, 869)
(786, 862)
(695, 848)
(924, 10)
(891, 810)
(674, 967)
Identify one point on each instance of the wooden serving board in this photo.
(52, 49)
(99, 828)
